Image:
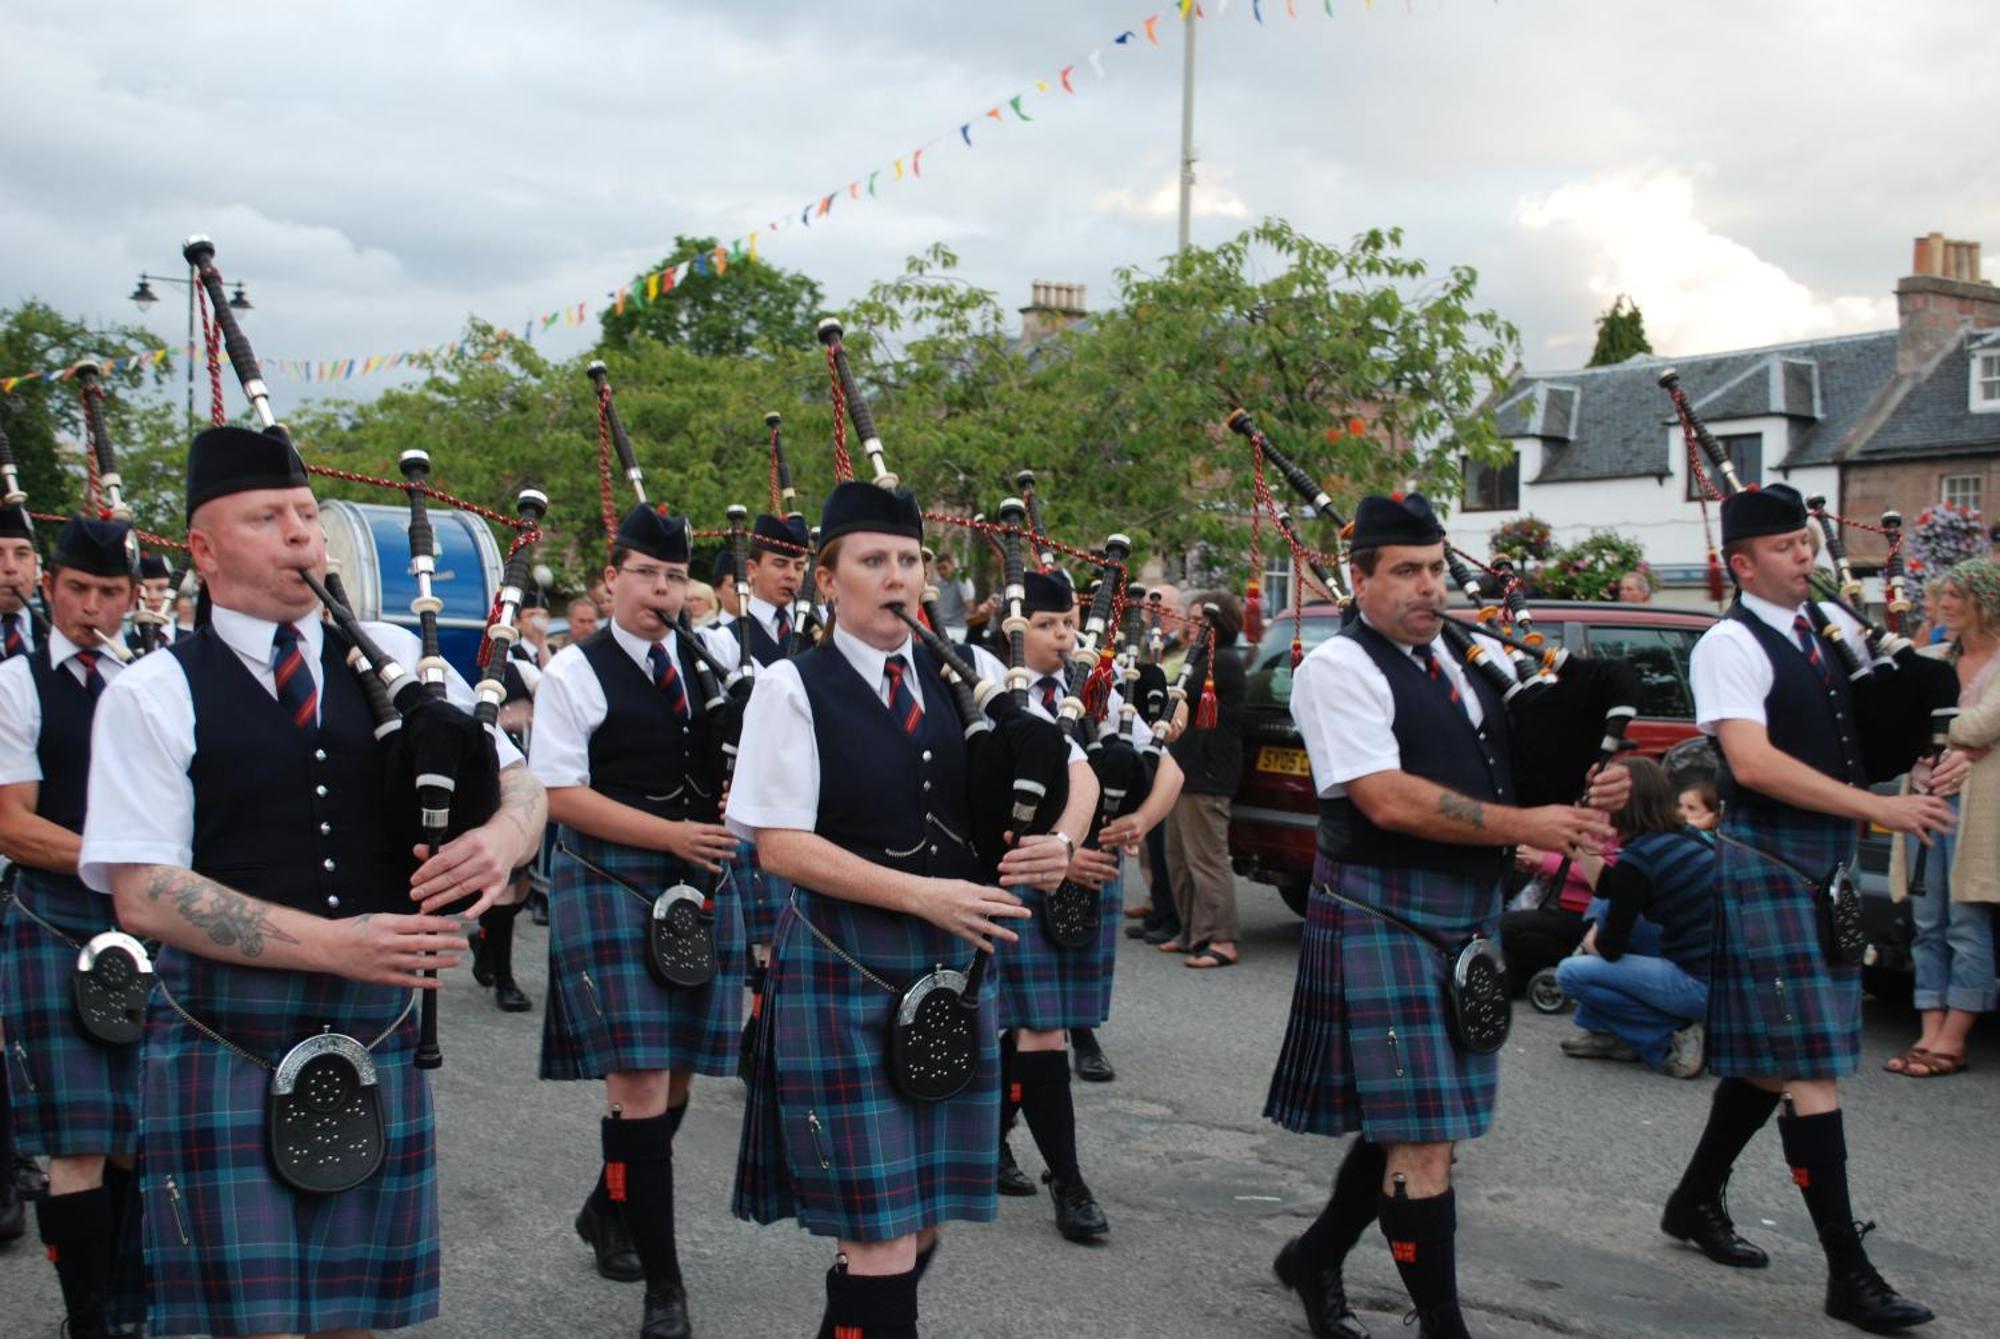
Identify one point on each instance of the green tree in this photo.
(1621, 334)
(719, 309)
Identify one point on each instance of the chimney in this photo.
(1051, 307)
(1942, 295)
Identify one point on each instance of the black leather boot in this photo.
(1012, 1180)
(1322, 1294)
(1857, 1294)
(1077, 1216)
(666, 1312)
(496, 935)
(1706, 1226)
(1445, 1322)
(603, 1229)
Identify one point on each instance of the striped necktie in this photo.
(1810, 645)
(784, 629)
(668, 679)
(1427, 658)
(1047, 687)
(297, 693)
(92, 679)
(15, 643)
(902, 702)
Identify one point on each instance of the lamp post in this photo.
(143, 297)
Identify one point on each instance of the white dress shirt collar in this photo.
(1777, 615)
(868, 662)
(251, 638)
(636, 646)
(767, 614)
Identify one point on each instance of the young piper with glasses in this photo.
(617, 743)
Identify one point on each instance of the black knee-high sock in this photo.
(1357, 1192)
(869, 1306)
(496, 928)
(640, 1155)
(1010, 1083)
(675, 1115)
(1738, 1111)
(1423, 1239)
(1816, 1149)
(125, 1279)
(77, 1230)
(1045, 1101)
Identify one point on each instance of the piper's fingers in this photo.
(427, 943)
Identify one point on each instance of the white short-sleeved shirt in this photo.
(777, 763)
(142, 743)
(720, 639)
(1729, 672)
(1346, 712)
(1141, 734)
(570, 705)
(21, 705)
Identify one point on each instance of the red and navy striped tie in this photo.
(1810, 645)
(668, 679)
(902, 702)
(92, 680)
(784, 627)
(15, 643)
(1428, 659)
(297, 693)
(1048, 687)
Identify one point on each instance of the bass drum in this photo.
(371, 544)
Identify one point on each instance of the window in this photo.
(1961, 490)
(1745, 452)
(1659, 656)
(1986, 383)
(1493, 487)
(1278, 580)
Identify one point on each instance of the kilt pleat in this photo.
(229, 1249)
(826, 1137)
(605, 1011)
(1776, 1008)
(1367, 1046)
(72, 1095)
(1044, 987)
(760, 893)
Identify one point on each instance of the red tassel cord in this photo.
(1209, 711)
(1097, 686)
(1253, 611)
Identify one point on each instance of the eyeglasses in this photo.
(657, 575)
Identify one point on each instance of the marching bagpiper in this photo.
(236, 813)
(1411, 761)
(78, 1105)
(617, 743)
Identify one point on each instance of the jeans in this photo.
(1641, 1001)
(1644, 937)
(1953, 950)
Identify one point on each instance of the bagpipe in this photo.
(440, 765)
(1562, 708)
(1896, 691)
(13, 498)
(785, 502)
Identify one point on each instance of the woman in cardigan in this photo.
(1953, 949)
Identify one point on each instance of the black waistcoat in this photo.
(764, 648)
(883, 794)
(1805, 718)
(64, 747)
(1436, 741)
(643, 755)
(278, 815)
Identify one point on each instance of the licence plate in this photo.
(1285, 762)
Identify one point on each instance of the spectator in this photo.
(582, 619)
(600, 595)
(1198, 836)
(1160, 919)
(1635, 587)
(535, 634)
(1699, 810)
(183, 616)
(954, 602)
(1548, 929)
(1649, 1008)
(1953, 950)
(700, 603)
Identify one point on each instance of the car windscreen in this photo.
(1270, 668)
(1659, 657)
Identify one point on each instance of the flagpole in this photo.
(1187, 125)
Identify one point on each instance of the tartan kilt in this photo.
(1367, 1046)
(230, 1250)
(72, 1094)
(605, 1012)
(1776, 1008)
(1046, 988)
(760, 893)
(827, 1139)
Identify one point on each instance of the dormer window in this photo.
(1986, 383)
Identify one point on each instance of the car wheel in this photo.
(1296, 892)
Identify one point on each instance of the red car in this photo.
(1276, 814)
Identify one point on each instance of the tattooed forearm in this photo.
(226, 916)
(524, 804)
(1461, 810)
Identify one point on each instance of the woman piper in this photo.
(852, 782)
(616, 743)
(1044, 989)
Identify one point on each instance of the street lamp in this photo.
(143, 297)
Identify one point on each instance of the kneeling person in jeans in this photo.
(1633, 1006)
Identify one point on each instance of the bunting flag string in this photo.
(662, 282)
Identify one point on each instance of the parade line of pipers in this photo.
(241, 852)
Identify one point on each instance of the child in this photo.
(1698, 808)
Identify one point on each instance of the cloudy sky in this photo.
(1749, 170)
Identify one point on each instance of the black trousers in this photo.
(1537, 938)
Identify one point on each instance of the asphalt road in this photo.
(1558, 1207)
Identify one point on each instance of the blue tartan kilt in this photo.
(606, 1012)
(230, 1250)
(1776, 1008)
(1044, 987)
(827, 1139)
(1367, 1046)
(760, 893)
(72, 1094)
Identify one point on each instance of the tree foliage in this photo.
(1621, 334)
(723, 308)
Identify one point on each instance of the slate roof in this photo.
(1930, 413)
(1610, 422)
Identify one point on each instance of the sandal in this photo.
(1936, 1065)
(1171, 946)
(1900, 1063)
(1205, 958)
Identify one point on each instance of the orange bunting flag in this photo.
(1153, 29)
(618, 305)
(994, 112)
